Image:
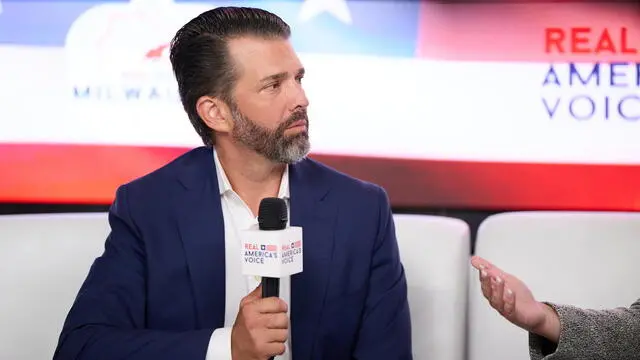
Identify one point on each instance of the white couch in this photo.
(435, 254)
(43, 261)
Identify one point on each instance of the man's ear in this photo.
(215, 113)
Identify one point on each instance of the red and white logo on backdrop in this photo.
(587, 90)
(116, 52)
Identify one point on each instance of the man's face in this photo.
(270, 106)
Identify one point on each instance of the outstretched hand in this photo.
(514, 301)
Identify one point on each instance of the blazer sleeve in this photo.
(385, 331)
(591, 334)
(107, 319)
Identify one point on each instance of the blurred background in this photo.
(457, 108)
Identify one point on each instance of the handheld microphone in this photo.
(272, 216)
(273, 250)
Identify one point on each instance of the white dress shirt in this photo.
(238, 216)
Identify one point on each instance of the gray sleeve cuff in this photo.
(541, 348)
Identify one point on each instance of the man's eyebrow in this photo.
(281, 76)
(275, 77)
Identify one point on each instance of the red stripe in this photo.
(91, 174)
(516, 31)
(73, 173)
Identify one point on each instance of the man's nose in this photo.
(299, 98)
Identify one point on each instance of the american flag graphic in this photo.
(271, 248)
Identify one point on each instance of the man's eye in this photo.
(273, 86)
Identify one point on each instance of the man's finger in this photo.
(256, 294)
(271, 305)
(277, 321)
(278, 335)
(274, 348)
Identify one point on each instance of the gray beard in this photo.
(272, 144)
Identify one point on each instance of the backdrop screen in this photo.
(498, 105)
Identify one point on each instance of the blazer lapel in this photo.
(312, 210)
(201, 228)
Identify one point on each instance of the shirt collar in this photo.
(225, 186)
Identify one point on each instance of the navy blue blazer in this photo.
(158, 290)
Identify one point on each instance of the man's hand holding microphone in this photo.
(273, 251)
(261, 328)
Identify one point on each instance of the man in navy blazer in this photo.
(163, 288)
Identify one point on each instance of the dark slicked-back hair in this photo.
(201, 61)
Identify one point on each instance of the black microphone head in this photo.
(272, 214)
